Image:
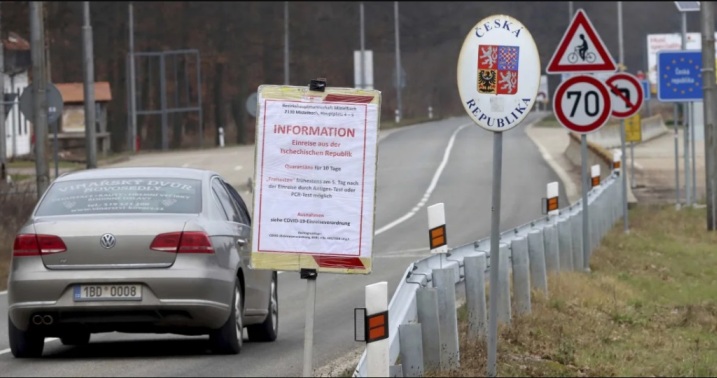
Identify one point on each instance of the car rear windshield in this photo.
(125, 195)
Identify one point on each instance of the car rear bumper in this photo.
(183, 296)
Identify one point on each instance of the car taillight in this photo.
(35, 245)
(182, 242)
(166, 242)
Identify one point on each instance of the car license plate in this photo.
(113, 292)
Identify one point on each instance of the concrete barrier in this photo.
(608, 136)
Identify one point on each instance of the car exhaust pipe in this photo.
(37, 320)
(47, 319)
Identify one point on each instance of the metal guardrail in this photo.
(402, 308)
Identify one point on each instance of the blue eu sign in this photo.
(679, 76)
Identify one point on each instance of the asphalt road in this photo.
(415, 170)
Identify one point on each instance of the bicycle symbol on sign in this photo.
(581, 52)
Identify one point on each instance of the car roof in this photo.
(139, 172)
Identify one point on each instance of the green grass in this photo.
(649, 308)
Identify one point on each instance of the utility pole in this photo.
(570, 11)
(362, 57)
(286, 43)
(398, 63)
(3, 130)
(710, 97)
(685, 129)
(132, 83)
(623, 158)
(39, 95)
(88, 67)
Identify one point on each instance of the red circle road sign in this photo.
(582, 104)
(626, 94)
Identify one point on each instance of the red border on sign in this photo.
(565, 121)
(363, 182)
(581, 19)
(636, 83)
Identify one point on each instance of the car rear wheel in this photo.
(228, 339)
(75, 338)
(269, 329)
(25, 344)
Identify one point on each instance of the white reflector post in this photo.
(377, 352)
(553, 192)
(437, 238)
(616, 155)
(595, 174)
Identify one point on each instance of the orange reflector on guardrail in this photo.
(553, 204)
(377, 327)
(616, 165)
(596, 181)
(437, 236)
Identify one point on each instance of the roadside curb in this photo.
(571, 189)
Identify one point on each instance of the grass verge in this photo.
(647, 309)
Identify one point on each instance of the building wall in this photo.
(17, 128)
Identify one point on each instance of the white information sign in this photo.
(498, 73)
(315, 179)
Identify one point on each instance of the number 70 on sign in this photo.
(582, 104)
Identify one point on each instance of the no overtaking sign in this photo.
(627, 96)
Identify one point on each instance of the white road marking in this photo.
(431, 186)
(48, 340)
(185, 165)
(238, 168)
(3, 292)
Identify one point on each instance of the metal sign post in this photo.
(627, 99)
(283, 218)
(679, 76)
(497, 94)
(310, 276)
(583, 105)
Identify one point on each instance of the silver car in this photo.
(139, 250)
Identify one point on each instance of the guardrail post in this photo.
(445, 281)
(377, 351)
(552, 251)
(475, 268)
(617, 202)
(411, 353)
(604, 206)
(395, 371)
(536, 257)
(521, 275)
(594, 230)
(503, 301)
(576, 228)
(427, 309)
(565, 243)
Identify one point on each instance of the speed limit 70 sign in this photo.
(582, 104)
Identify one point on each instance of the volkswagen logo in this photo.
(108, 241)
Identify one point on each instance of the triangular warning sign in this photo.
(581, 49)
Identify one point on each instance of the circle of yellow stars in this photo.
(682, 91)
